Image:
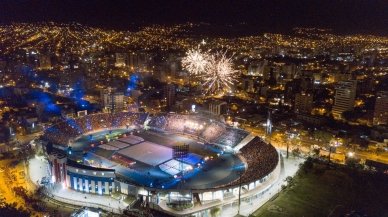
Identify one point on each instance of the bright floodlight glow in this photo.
(195, 61)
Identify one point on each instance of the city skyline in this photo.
(345, 17)
(193, 108)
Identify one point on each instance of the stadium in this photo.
(171, 161)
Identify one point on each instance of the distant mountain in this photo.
(77, 39)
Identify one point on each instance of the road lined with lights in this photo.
(306, 144)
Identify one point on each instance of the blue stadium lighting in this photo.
(132, 83)
(83, 104)
(78, 93)
(69, 150)
(46, 101)
(239, 167)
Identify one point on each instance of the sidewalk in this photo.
(106, 203)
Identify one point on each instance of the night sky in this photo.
(343, 16)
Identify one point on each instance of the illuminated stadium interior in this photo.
(139, 148)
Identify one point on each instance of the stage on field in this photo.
(131, 139)
(148, 153)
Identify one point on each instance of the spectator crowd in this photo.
(261, 158)
(67, 129)
(209, 130)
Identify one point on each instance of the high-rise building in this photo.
(169, 95)
(257, 68)
(380, 115)
(112, 100)
(217, 107)
(303, 103)
(139, 61)
(121, 60)
(345, 95)
(247, 84)
(44, 62)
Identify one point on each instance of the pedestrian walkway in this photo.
(106, 203)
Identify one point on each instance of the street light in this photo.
(239, 193)
(350, 154)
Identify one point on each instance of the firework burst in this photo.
(219, 74)
(195, 61)
(215, 70)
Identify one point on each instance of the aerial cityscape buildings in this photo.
(345, 95)
(207, 109)
(380, 116)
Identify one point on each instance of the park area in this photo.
(320, 189)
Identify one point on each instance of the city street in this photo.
(280, 142)
(12, 175)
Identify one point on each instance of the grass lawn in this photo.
(334, 191)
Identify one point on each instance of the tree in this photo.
(296, 152)
(290, 181)
(11, 210)
(322, 136)
(215, 212)
(308, 164)
(316, 152)
(352, 162)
